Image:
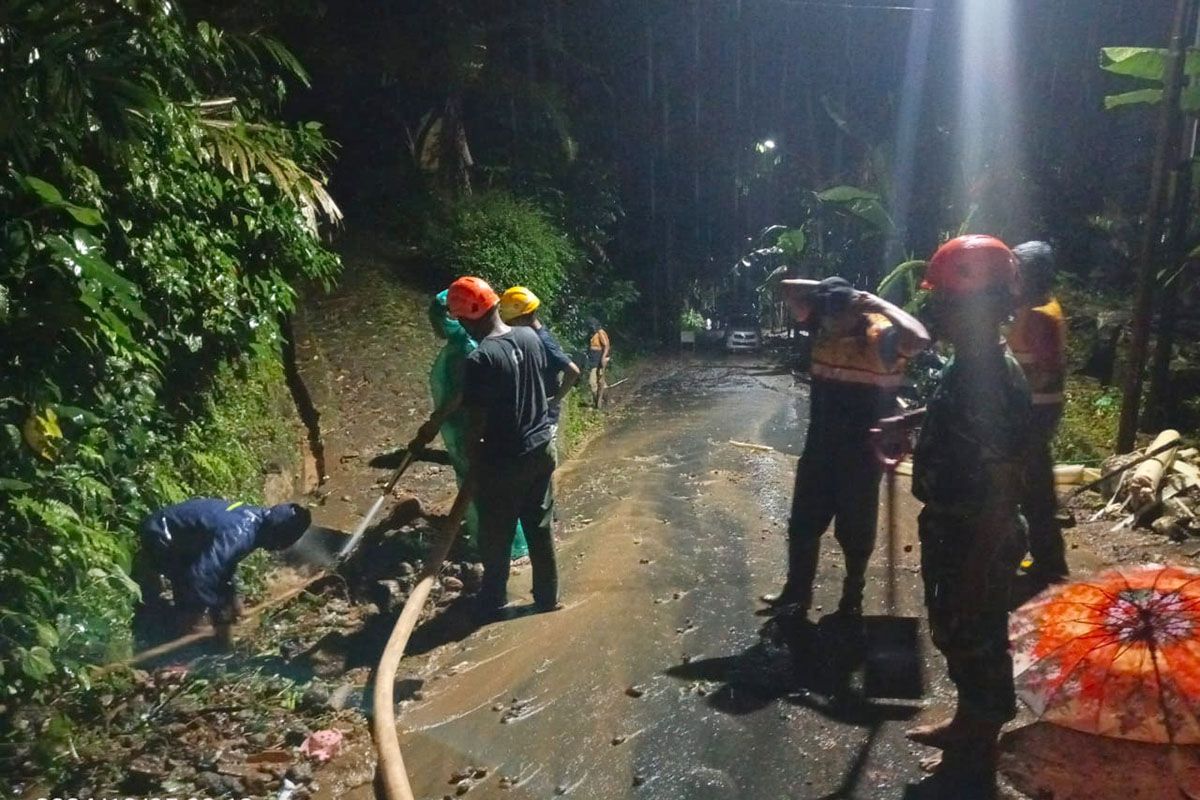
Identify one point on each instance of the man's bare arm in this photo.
(569, 379)
(429, 429)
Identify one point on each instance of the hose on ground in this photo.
(391, 776)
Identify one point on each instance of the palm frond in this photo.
(244, 149)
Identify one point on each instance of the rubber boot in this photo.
(853, 585)
(802, 572)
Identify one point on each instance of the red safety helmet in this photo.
(970, 265)
(470, 298)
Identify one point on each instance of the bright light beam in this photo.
(989, 130)
(912, 94)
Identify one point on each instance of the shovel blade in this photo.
(318, 547)
(893, 666)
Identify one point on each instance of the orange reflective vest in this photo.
(599, 340)
(1038, 340)
(859, 359)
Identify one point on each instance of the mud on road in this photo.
(654, 681)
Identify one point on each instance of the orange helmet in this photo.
(470, 298)
(970, 265)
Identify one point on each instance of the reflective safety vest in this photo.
(1038, 340)
(860, 359)
(599, 340)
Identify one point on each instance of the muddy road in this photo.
(654, 681)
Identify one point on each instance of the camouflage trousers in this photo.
(973, 640)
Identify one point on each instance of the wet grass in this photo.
(1088, 430)
(1089, 424)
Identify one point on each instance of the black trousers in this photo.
(974, 642)
(837, 481)
(518, 489)
(1039, 502)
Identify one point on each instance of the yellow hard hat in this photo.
(517, 302)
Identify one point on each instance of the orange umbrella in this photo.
(1117, 655)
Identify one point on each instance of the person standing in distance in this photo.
(599, 353)
(1038, 340)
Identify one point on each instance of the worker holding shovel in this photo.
(599, 353)
(860, 346)
(968, 473)
(449, 417)
(509, 439)
(197, 545)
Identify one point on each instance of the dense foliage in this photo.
(511, 241)
(504, 240)
(154, 222)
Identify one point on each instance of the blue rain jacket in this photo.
(198, 544)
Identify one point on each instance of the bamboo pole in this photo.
(1144, 483)
(392, 777)
(1157, 403)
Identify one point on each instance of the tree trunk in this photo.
(738, 144)
(1168, 137)
(697, 138)
(1158, 402)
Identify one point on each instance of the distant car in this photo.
(743, 335)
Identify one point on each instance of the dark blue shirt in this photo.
(557, 362)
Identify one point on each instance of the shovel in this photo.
(329, 548)
(893, 664)
(409, 457)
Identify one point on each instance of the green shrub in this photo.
(149, 242)
(691, 320)
(1089, 423)
(504, 240)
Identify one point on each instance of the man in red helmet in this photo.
(968, 473)
(509, 437)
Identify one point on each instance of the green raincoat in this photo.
(445, 381)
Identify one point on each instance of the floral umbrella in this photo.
(1117, 655)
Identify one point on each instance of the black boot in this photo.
(802, 571)
(853, 586)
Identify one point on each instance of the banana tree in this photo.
(1170, 79)
(1147, 65)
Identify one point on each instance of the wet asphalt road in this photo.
(669, 534)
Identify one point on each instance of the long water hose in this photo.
(391, 777)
